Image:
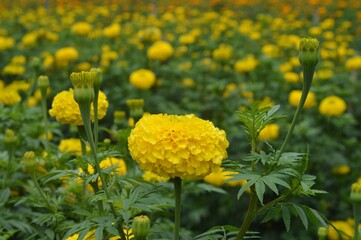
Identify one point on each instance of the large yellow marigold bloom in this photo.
(332, 106)
(177, 146)
(295, 97)
(66, 110)
(160, 50)
(142, 79)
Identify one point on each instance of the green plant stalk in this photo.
(356, 214)
(252, 207)
(95, 106)
(307, 79)
(177, 181)
(9, 169)
(85, 113)
(42, 194)
(45, 119)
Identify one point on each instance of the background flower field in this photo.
(207, 58)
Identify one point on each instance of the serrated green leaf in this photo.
(246, 186)
(286, 217)
(318, 216)
(260, 190)
(99, 233)
(267, 180)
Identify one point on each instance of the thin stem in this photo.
(45, 119)
(250, 215)
(85, 112)
(356, 215)
(95, 106)
(178, 192)
(42, 194)
(307, 76)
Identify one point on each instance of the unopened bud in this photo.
(10, 137)
(309, 52)
(355, 195)
(83, 86)
(98, 78)
(135, 107)
(141, 227)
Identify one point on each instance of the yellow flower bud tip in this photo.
(141, 227)
(29, 155)
(43, 82)
(83, 79)
(309, 44)
(355, 195)
(322, 232)
(99, 77)
(9, 134)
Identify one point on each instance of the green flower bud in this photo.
(141, 227)
(322, 233)
(309, 52)
(135, 107)
(10, 137)
(29, 159)
(43, 83)
(83, 86)
(98, 78)
(355, 195)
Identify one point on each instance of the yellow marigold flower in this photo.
(83, 66)
(246, 65)
(66, 110)
(270, 50)
(48, 61)
(18, 60)
(223, 52)
(112, 31)
(153, 177)
(324, 74)
(90, 235)
(291, 77)
(72, 145)
(344, 227)
(187, 39)
(64, 56)
(188, 82)
(9, 96)
(341, 170)
(81, 28)
(149, 34)
(269, 132)
(353, 63)
(332, 106)
(142, 79)
(29, 39)
(219, 178)
(160, 50)
(295, 97)
(118, 163)
(6, 43)
(177, 146)
(14, 69)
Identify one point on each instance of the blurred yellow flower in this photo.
(119, 165)
(295, 96)
(269, 132)
(6, 43)
(291, 77)
(9, 96)
(81, 28)
(246, 65)
(271, 50)
(332, 106)
(223, 52)
(112, 31)
(341, 170)
(66, 110)
(188, 82)
(344, 227)
(64, 56)
(71, 145)
(142, 79)
(324, 74)
(182, 146)
(160, 50)
(150, 34)
(353, 63)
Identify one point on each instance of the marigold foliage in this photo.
(66, 110)
(182, 146)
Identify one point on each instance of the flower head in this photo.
(177, 146)
(160, 50)
(295, 97)
(309, 51)
(332, 106)
(269, 132)
(142, 79)
(66, 110)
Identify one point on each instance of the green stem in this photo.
(356, 215)
(42, 194)
(177, 191)
(250, 215)
(9, 169)
(307, 79)
(95, 105)
(85, 113)
(45, 119)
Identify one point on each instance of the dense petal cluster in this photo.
(66, 110)
(182, 146)
(160, 50)
(142, 79)
(295, 96)
(72, 145)
(332, 106)
(269, 132)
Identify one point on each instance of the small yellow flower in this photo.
(160, 51)
(142, 79)
(66, 110)
(291, 77)
(344, 227)
(72, 145)
(295, 97)
(177, 146)
(341, 170)
(332, 106)
(223, 52)
(81, 28)
(269, 132)
(64, 56)
(246, 65)
(112, 31)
